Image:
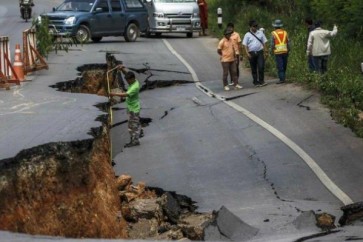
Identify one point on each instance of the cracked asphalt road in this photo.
(202, 148)
(213, 154)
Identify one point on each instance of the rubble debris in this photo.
(226, 225)
(351, 213)
(170, 206)
(155, 214)
(325, 221)
(123, 182)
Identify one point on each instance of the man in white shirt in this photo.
(319, 46)
(254, 42)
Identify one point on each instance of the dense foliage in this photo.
(342, 86)
(46, 42)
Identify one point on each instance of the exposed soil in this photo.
(62, 189)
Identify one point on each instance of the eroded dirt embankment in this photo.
(62, 189)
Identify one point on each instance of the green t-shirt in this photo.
(132, 100)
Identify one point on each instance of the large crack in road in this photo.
(69, 188)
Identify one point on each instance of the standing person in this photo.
(319, 46)
(133, 106)
(203, 14)
(21, 2)
(254, 42)
(310, 27)
(238, 41)
(228, 50)
(280, 47)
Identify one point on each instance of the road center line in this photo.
(322, 176)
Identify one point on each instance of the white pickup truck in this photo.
(173, 16)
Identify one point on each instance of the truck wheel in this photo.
(190, 34)
(83, 34)
(96, 39)
(132, 32)
(148, 33)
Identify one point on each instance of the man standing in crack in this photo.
(133, 106)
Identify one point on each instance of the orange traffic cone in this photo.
(18, 64)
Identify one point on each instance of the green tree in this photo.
(344, 13)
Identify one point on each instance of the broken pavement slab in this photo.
(306, 221)
(229, 226)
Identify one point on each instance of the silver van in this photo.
(173, 16)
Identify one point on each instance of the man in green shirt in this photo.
(133, 106)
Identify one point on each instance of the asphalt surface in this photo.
(204, 149)
(195, 145)
(33, 113)
(198, 145)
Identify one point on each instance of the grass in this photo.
(341, 88)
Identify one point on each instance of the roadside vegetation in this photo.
(46, 42)
(341, 88)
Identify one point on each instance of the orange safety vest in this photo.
(280, 41)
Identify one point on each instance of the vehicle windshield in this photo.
(174, 1)
(76, 5)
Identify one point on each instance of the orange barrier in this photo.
(33, 60)
(18, 64)
(7, 73)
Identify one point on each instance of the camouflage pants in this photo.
(134, 126)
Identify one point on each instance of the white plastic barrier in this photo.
(5, 58)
